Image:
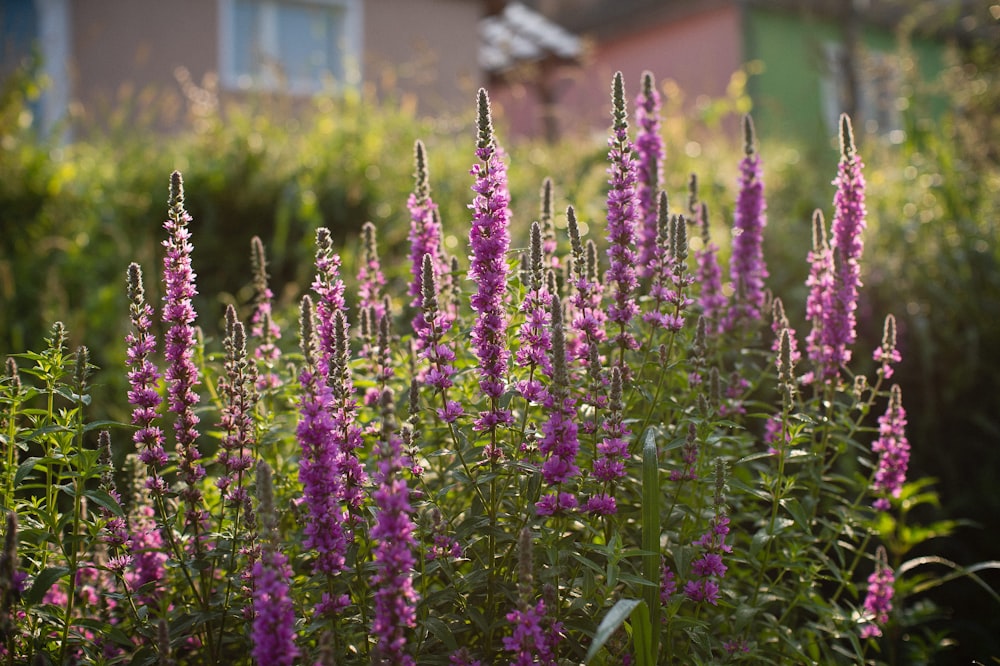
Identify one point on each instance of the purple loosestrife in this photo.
(116, 534)
(489, 240)
(238, 388)
(425, 233)
(531, 641)
(143, 378)
(559, 442)
(708, 274)
(371, 280)
(546, 222)
(262, 326)
(612, 451)
(329, 289)
(708, 569)
(622, 220)
(847, 246)
(878, 600)
(438, 355)
(746, 268)
(147, 566)
(182, 374)
(322, 486)
(818, 303)
(273, 628)
(587, 318)
(670, 278)
(650, 153)
(535, 333)
(394, 544)
(779, 323)
(893, 449)
(887, 353)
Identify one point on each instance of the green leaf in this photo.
(43, 582)
(609, 625)
(24, 469)
(644, 639)
(103, 499)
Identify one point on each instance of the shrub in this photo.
(567, 454)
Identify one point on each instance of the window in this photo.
(878, 88)
(301, 46)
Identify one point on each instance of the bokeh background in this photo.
(286, 115)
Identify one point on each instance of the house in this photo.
(803, 61)
(94, 54)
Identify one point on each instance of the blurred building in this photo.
(548, 63)
(800, 62)
(99, 54)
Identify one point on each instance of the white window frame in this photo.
(266, 81)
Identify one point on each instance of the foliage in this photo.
(660, 490)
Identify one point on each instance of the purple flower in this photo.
(320, 462)
(143, 377)
(847, 245)
(709, 568)
(887, 354)
(371, 280)
(392, 534)
(535, 336)
(878, 600)
(560, 443)
(273, 628)
(747, 269)
(893, 450)
(273, 631)
(329, 289)
(425, 236)
(650, 153)
(489, 240)
(182, 373)
(262, 326)
(819, 303)
(708, 274)
(612, 450)
(668, 584)
(622, 220)
(669, 271)
(529, 640)
(586, 315)
(237, 415)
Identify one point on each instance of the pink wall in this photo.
(700, 52)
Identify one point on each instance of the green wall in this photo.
(786, 50)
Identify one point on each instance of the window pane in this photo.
(246, 38)
(308, 41)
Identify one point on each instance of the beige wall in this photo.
(122, 48)
(427, 47)
(129, 50)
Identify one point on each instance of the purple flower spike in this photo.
(262, 326)
(893, 450)
(237, 387)
(489, 240)
(847, 245)
(143, 377)
(273, 629)
(371, 280)
(747, 269)
(392, 534)
(182, 374)
(622, 220)
(818, 303)
(320, 459)
(535, 336)
(649, 148)
(425, 237)
(878, 600)
(887, 354)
